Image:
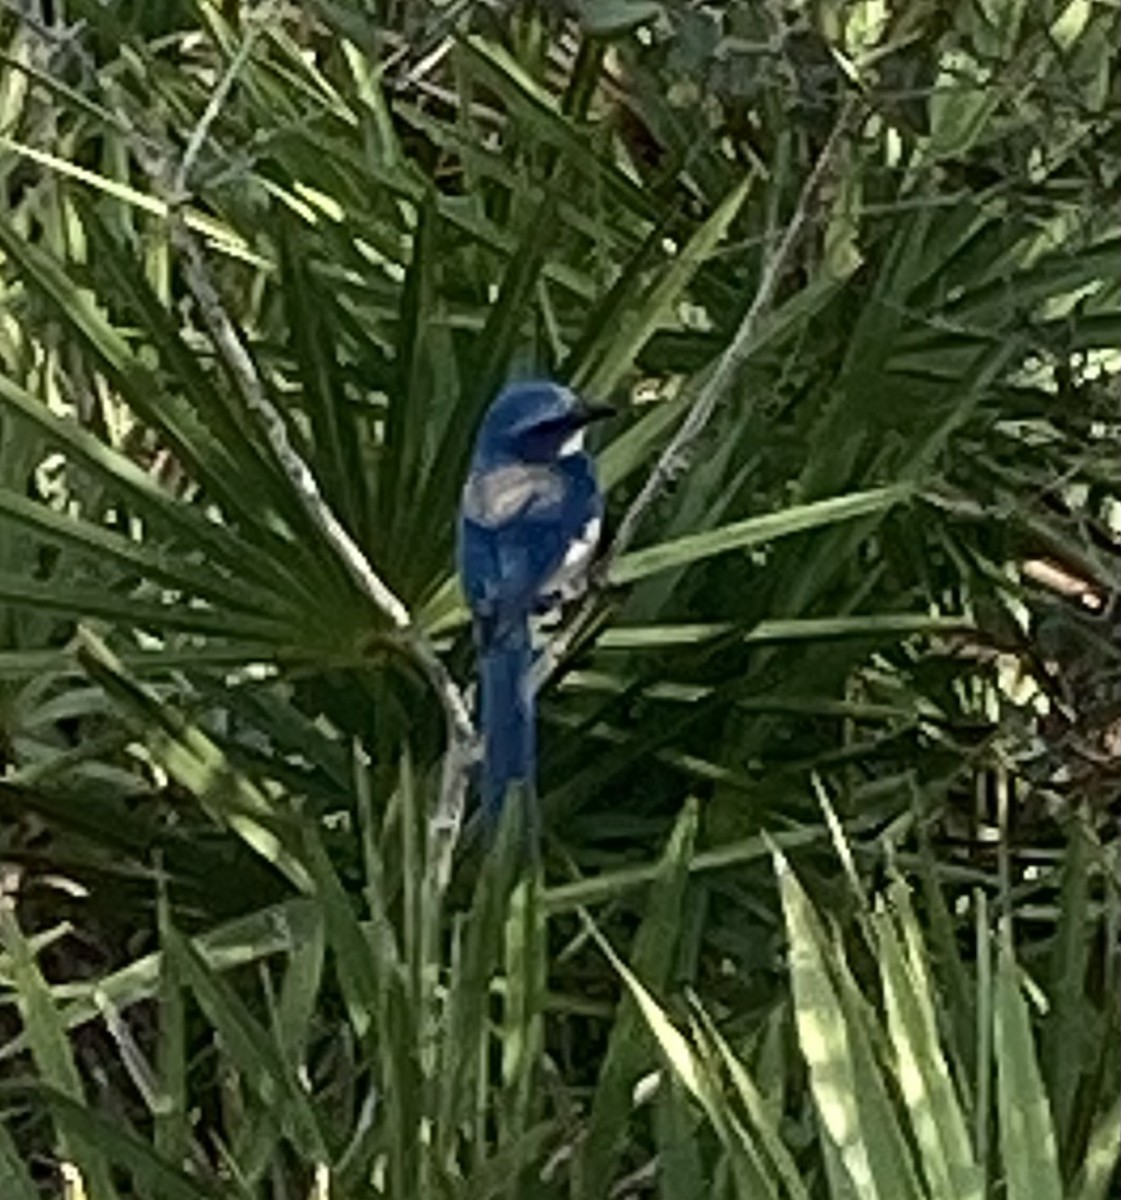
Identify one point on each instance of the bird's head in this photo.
(535, 422)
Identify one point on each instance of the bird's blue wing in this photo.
(520, 525)
(512, 537)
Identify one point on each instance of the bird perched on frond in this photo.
(530, 518)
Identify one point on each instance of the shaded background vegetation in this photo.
(870, 619)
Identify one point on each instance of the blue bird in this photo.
(529, 519)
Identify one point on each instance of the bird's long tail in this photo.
(507, 715)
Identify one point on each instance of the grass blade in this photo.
(627, 1055)
(641, 321)
(249, 1044)
(834, 1031)
(741, 535)
(1099, 1167)
(197, 763)
(751, 1177)
(1027, 1134)
(51, 1053)
(15, 1182)
(937, 1118)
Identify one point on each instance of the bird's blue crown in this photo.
(527, 421)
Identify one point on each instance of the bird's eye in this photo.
(541, 442)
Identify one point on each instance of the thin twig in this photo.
(460, 727)
(461, 739)
(700, 412)
(244, 372)
(214, 106)
(672, 459)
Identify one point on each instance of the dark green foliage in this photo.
(881, 583)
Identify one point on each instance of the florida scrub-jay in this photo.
(529, 520)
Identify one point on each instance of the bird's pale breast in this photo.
(569, 578)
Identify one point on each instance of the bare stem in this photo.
(461, 740)
(201, 131)
(700, 412)
(676, 452)
(460, 728)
